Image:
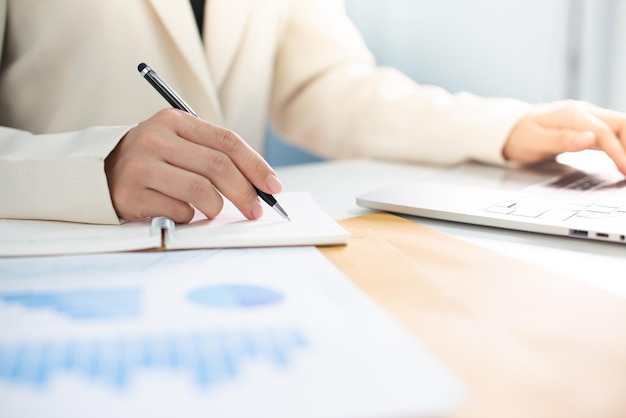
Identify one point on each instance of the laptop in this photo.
(579, 195)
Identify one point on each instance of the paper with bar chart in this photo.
(223, 333)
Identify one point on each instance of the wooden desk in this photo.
(336, 184)
(528, 341)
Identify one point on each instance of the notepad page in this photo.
(309, 225)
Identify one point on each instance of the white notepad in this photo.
(309, 225)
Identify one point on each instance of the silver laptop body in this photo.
(579, 199)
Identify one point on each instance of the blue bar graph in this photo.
(207, 358)
(81, 304)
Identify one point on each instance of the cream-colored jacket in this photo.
(69, 91)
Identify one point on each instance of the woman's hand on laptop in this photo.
(567, 126)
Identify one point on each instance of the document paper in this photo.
(206, 333)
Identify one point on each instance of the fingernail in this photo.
(257, 210)
(273, 184)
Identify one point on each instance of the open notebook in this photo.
(309, 225)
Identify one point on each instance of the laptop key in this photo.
(530, 212)
(558, 214)
(500, 209)
(591, 215)
(600, 209)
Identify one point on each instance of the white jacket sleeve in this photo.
(330, 98)
(57, 176)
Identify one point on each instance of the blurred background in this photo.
(533, 50)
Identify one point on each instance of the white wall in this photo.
(617, 73)
(510, 48)
(602, 53)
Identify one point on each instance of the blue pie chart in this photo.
(233, 296)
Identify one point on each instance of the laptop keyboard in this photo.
(577, 194)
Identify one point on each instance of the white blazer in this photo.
(69, 91)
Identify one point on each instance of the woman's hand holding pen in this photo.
(567, 126)
(174, 161)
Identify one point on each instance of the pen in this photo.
(178, 103)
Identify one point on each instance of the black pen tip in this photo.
(141, 66)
